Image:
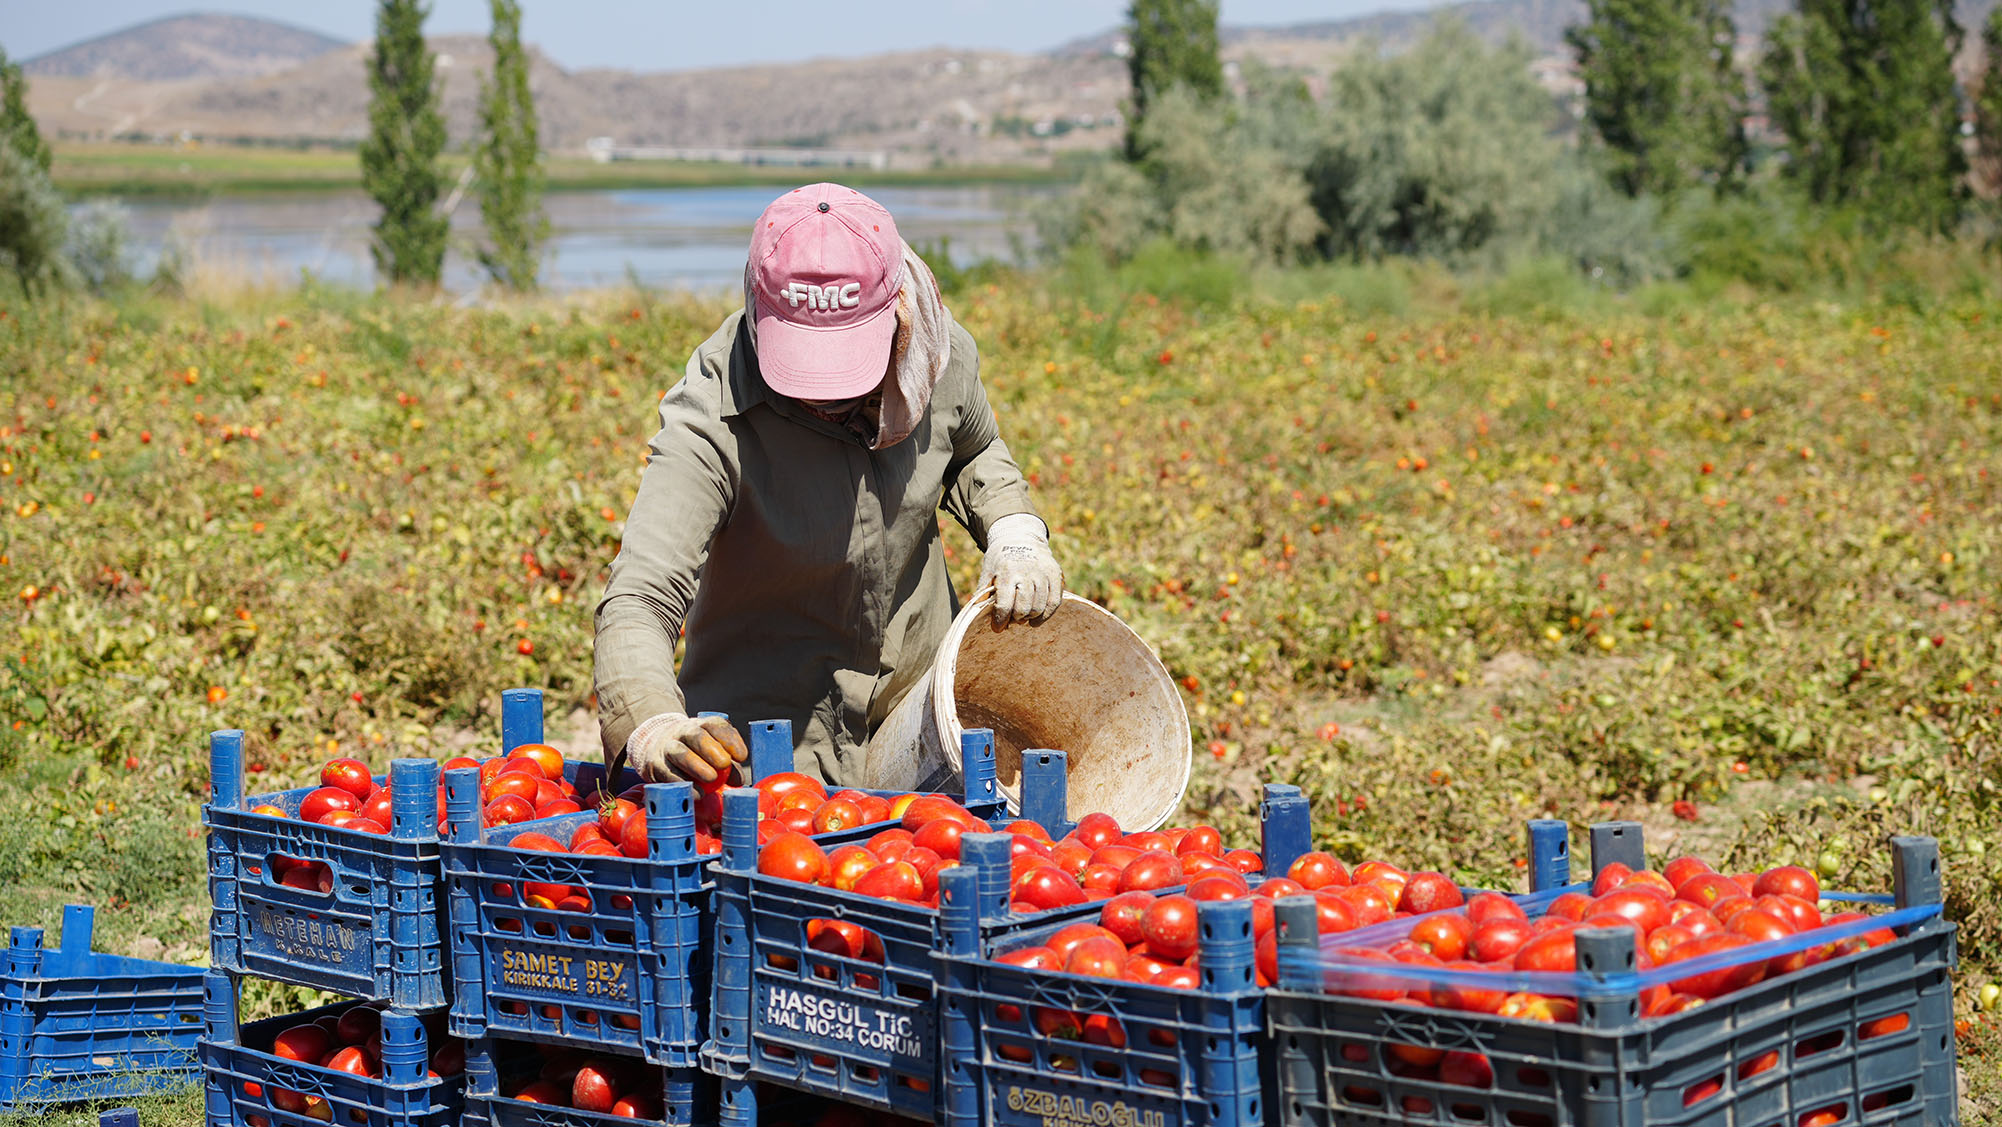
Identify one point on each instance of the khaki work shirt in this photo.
(806, 567)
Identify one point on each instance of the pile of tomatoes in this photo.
(626, 1087)
(1093, 862)
(351, 1042)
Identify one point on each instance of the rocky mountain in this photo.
(209, 45)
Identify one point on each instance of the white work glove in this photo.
(1028, 584)
(671, 747)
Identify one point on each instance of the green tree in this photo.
(508, 164)
(1661, 91)
(1171, 43)
(1863, 90)
(17, 125)
(1988, 105)
(399, 159)
(33, 224)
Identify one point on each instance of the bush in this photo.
(32, 224)
(99, 246)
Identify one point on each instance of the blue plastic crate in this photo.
(862, 1032)
(79, 1025)
(1824, 1038)
(244, 1079)
(629, 974)
(1188, 1057)
(375, 935)
(497, 1065)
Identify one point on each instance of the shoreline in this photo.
(88, 171)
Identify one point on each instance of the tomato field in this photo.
(1729, 570)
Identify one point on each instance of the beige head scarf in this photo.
(918, 353)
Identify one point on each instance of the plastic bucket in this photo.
(1080, 682)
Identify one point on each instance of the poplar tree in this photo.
(17, 125)
(508, 164)
(1661, 92)
(399, 159)
(1863, 90)
(1171, 43)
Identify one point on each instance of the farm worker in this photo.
(788, 513)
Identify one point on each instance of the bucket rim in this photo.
(945, 718)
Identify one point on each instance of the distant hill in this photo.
(236, 78)
(196, 45)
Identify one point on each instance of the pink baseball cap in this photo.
(826, 265)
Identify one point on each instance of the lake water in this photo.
(670, 238)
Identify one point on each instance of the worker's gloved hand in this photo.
(671, 747)
(1028, 584)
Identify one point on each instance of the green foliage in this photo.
(508, 162)
(17, 125)
(399, 158)
(99, 246)
(1440, 151)
(1661, 92)
(33, 224)
(1864, 92)
(1173, 44)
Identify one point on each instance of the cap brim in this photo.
(831, 363)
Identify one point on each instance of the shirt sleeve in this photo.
(983, 483)
(684, 498)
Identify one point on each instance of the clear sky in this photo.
(680, 34)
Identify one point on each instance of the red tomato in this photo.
(1145, 840)
(639, 1105)
(1429, 892)
(836, 814)
(890, 844)
(1798, 914)
(1333, 913)
(874, 808)
(1707, 890)
(1758, 925)
(1381, 871)
(1498, 939)
(460, 763)
(1101, 1029)
(1664, 939)
(940, 835)
(1031, 958)
(1648, 880)
(358, 1024)
(309, 1043)
(1467, 1070)
(1022, 845)
(1169, 926)
(561, 807)
(449, 1059)
(1570, 906)
(847, 865)
(1682, 868)
(1179, 978)
(1244, 861)
(1479, 999)
(1100, 877)
(1372, 903)
(1143, 968)
(1711, 984)
(547, 759)
(1096, 830)
(1216, 886)
(1200, 839)
(1361, 983)
(526, 784)
(1555, 951)
(633, 836)
(798, 819)
(928, 865)
(1044, 887)
(339, 819)
(1029, 829)
(312, 876)
(350, 775)
(613, 815)
(1116, 855)
(1317, 870)
(543, 1092)
(1697, 920)
(507, 810)
(1067, 938)
(1788, 880)
(1121, 916)
(1487, 906)
(351, 1060)
(1445, 935)
(325, 800)
(897, 880)
(1071, 856)
(378, 807)
(1646, 909)
(793, 856)
(1155, 868)
(786, 782)
(1099, 957)
(930, 808)
(1609, 878)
